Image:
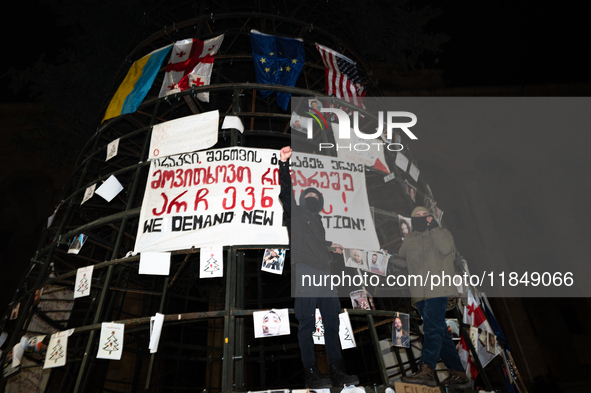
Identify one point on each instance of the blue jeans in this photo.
(437, 343)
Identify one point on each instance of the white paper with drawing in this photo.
(111, 341)
(83, 281)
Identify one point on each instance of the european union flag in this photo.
(277, 61)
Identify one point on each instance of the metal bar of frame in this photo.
(415, 327)
(376, 345)
(229, 323)
(239, 349)
(82, 377)
(399, 361)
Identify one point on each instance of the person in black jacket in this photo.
(310, 256)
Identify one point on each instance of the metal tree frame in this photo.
(207, 342)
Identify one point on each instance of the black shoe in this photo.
(456, 379)
(315, 380)
(424, 376)
(339, 378)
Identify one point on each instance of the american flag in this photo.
(341, 76)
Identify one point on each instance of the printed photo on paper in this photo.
(88, 193)
(491, 343)
(112, 149)
(315, 103)
(453, 328)
(401, 330)
(355, 258)
(429, 203)
(405, 226)
(77, 244)
(377, 262)
(14, 313)
(271, 323)
(299, 123)
(273, 260)
(361, 300)
(482, 336)
(410, 190)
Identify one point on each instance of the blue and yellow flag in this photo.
(277, 61)
(136, 84)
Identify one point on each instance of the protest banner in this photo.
(346, 215)
(230, 197)
(216, 197)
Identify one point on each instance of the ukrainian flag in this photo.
(136, 84)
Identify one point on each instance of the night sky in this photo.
(490, 43)
(514, 44)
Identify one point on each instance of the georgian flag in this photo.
(467, 362)
(473, 314)
(191, 63)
